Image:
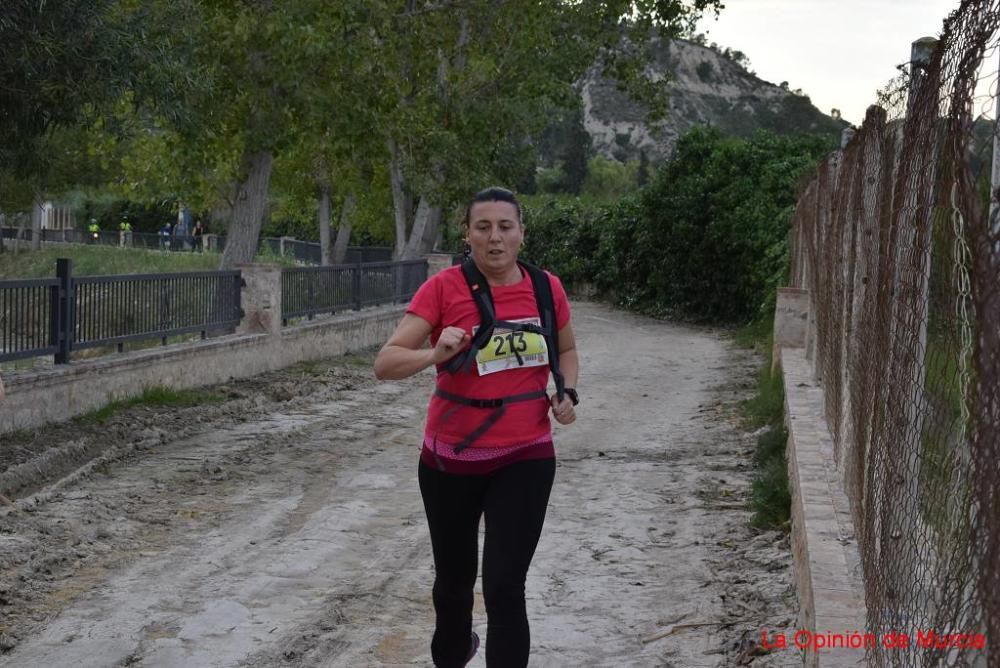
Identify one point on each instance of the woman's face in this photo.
(495, 235)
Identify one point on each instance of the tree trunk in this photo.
(400, 208)
(424, 231)
(221, 213)
(324, 224)
(432, 233)
(344, 230)
(36, 222)
(20, 233)
(248, 210)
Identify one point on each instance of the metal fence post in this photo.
(164, 311)
(62, 317)
(356, 286)
(397, 288)
(237, 299)
(994, 222)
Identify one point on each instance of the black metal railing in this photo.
(59, 315)
(308, 291)
(55, 316)
(26, 318)
(115, 309)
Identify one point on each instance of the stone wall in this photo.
(61, 392)
(824, 548)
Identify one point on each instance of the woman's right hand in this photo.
(452, 341)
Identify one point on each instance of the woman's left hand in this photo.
(563, 411)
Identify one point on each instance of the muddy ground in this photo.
(282, 526)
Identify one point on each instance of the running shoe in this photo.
(473, 647)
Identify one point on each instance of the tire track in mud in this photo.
(290, 532)
(191, 548)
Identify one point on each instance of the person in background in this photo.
(165, 237)
(125, 232)
(198, 232)
(93, 231)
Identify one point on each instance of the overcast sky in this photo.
(839, 52)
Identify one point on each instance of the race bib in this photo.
(499, 352)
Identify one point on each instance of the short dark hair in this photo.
(492, 194)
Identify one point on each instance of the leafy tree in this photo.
(278, 91)
(63, 67)
(642, 176)
(437, 99)
(56, 60)
(471, 76)
(717, 214)
(266, 61)
(610, 179)
(576, 155)
(706, 239)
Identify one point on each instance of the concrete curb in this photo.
(825, 551)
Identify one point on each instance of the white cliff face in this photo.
(705, 88)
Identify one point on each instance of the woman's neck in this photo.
(508, 276)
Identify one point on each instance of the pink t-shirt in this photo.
(445, 301)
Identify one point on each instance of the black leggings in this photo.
(513, 500)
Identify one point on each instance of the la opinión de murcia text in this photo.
(814, 641)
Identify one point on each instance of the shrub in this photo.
(770, 498)
(767, 406)
(609, 178)
(705, 71)
(717, 215)
(707, 239)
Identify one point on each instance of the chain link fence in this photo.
(897, 239)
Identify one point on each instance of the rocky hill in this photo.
(706, 88)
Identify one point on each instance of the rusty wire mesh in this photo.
(897, 244)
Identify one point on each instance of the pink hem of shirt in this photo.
(486, 460)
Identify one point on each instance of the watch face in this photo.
(571, 393)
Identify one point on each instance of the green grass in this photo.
(102, 260)
(359, 360)
(770, 498)
(311, 367)
(267, 255)
(770, 446)
(757, 335)
(111, 260)
(942, 378)
(767, 406)
(152, 396)
(19, 436)
(940, 458)
(936, 475)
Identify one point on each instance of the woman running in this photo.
(487, 450)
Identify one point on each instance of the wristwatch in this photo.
(571, 393)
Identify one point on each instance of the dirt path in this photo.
(284, 526)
